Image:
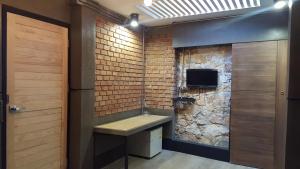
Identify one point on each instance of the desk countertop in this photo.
(131, 125)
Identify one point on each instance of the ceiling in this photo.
(126, 7)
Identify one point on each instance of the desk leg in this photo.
(126, 152)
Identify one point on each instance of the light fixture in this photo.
(148, 2)
(280, 4)
(134, 20)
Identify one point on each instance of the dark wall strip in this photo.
(196, 149)
(103, 11)
(293, 115)
(247, 28)
(6, 8)
(3, 86)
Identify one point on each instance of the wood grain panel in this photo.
(37, 68)
(35, 135)
(247, 101)
(241, 70)
(37, 91)
(36, 45)
(253, 83)
(37, 160)
(33, 143)
(46, 124)
(253, 104)
(254, 66)
(37, 83)
(281, 104)
(37, 34)
(37, 76)
(255, 53)
(37, 53)
(23, 59)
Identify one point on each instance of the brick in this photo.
(118, 81)
(160, 71)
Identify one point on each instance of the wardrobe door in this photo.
(281, 105)
(253, 104)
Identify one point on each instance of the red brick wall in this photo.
(160, 70)
(119, 68)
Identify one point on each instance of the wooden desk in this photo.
(130, 126)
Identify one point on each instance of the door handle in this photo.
(14, 109)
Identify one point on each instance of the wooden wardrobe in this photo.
(258, 110)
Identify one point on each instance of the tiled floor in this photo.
(175, 160)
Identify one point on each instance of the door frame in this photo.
(8, 9)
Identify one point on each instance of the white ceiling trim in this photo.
(163, 9)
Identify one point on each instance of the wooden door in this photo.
(253, 104)
(37, 86)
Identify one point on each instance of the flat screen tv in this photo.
(202, 78)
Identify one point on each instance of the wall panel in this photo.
(253, 104)
(293, 117)
(272, 25)
(281, 105)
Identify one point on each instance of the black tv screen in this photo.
(202, 78)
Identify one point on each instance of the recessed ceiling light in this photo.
(280, 4)
(162, 9)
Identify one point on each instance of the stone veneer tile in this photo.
(207, 121)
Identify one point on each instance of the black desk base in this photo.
(117, 152)
(126, 152)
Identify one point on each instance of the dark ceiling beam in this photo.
(101, 10)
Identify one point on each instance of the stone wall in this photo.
(206, 121)
(119, 68)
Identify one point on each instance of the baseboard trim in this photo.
(206, 151)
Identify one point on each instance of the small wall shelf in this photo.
(184, 100)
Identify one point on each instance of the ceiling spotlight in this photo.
(134, 20)
(147, 2)
(280, 4)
